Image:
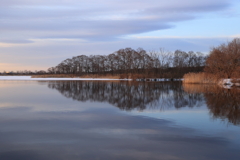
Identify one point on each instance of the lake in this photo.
(101, 120)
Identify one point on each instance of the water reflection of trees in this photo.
(129, 95)
(222, 103)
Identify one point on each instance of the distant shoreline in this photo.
(58, 78)
(29, 78)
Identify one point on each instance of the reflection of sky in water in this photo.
(39, 123)
(195, 118)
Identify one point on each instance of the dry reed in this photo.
(202, 78)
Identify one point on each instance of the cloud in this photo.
(11, 42)
(43, 33)
(96, 20)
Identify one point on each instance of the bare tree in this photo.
(127, 62)
(224, 60)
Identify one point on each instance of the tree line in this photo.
(127, 62)
(222, 62)
(24, 72)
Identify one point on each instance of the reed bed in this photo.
(200, 78)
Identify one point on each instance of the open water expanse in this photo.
(96, 120)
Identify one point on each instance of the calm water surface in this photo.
(72, 120)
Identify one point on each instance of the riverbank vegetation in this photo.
(109, 76)
(223, 62)
(201, 77)
(130, 63)
(126, 63)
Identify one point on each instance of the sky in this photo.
(36, 35)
